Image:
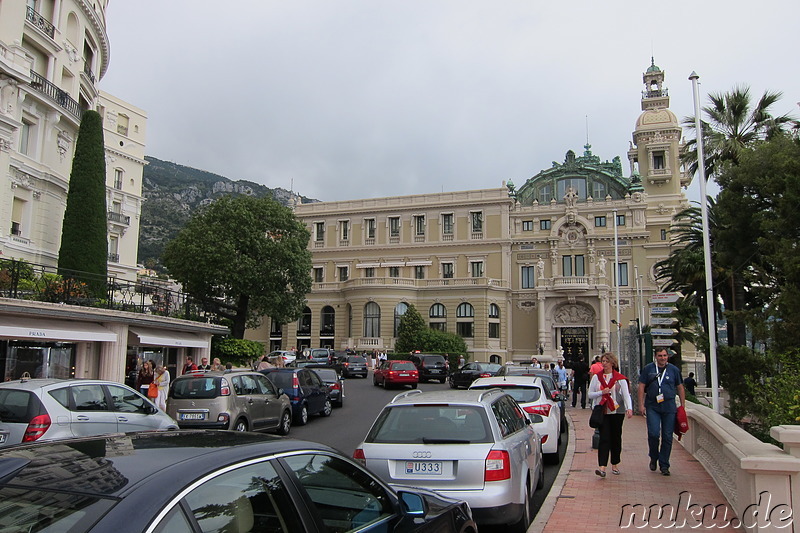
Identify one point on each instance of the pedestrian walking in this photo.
(609, 388)
(660, 384)
(580, 375)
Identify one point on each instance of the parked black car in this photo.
(308, 394)
(353, 365)
(464, 376)
(191, 481)
(330, 376)
(430, 366)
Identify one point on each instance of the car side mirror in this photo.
(413, 504)
(280, 392)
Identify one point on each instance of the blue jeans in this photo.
(660, 425)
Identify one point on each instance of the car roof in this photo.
(38, 383)
(416, 396)
(500, 381)
(124, 461)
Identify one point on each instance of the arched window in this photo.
(438, 311)
(327, 323)
(372, 320)
(494, 311)
(465, 315)
(304, 324)
(399, 310)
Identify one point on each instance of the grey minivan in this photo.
(49, 409)
(238, 400)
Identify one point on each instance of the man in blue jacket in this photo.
(659, 385)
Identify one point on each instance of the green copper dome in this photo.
(653, 67)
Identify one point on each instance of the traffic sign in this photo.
(665, 298)
(660, 341)
(662, 310)
(663, 332)
(662, 321)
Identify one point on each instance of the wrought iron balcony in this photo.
(113, 258)
(119, 218)
(52, 91)
(40, 22)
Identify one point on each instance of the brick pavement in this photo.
(582, 501)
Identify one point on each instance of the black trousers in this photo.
(610, 439)
(582, 388)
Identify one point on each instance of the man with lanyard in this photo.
(659, 384)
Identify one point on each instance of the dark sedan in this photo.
(194, 481)
(307, 393)
(464, 376)
(335, 384)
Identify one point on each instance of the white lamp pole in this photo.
(701, 170)
(616, 283)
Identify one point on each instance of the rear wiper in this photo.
(426, 440)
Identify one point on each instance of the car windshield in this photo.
(405, 365)
(356, 359)
(489, 367)
(195, 387)
(319, 354)
(431, 424)
(327, 374)
(433, 359)
(521, 393)
(281, 379)
(14, 406)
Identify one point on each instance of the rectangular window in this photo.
(566, 265)
(394, 272)
(25, 137)
(439, 326)
(344, 227)
(620, 220)
(319, 231)
(476, 218)
(447, 224)
(598, 190)
(527, 225)
(623, 274)
(658, 160)
(394, 226)
(118, 179)
(419, 225)
(369, 272)
(447, 270)
(419, 272)
(464, 329)
(494, 330)
(579, 266)
(17, 213)
(545, 194)
(344, 273)
(599, 222)
(544, 225)
(528, 277)
(663, 235)
(318, 275)
(370, 228)
(476, 269)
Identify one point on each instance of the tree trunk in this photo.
(240, 320)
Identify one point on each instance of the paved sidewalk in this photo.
(582, 501)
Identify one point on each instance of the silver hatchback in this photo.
(238, 400)
(48, 409)
(477, 446)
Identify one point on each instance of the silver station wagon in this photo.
(477, 446)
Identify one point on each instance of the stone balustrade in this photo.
(760, 481)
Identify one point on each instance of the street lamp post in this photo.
(701, 170)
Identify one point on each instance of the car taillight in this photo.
(486, 375)
(224, 387)
(498, 466)
(359, 456)
(544, 438)
(392, 372)
(295, 382)
(36, 428)
(335, 386)
(543, 410)
(346, 364)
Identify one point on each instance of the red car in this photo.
(396, 373)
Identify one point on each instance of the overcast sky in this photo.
(366, 98)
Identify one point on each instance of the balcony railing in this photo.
(122, 130)
(60, 97)
(88, 71)
(20, 280)
(571, 282)
(119, 218)
(40, 22)
(113, 258)
(389, 281)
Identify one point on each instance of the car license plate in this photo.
(3, 437)
(435, 371)
(424, 467)
(403, 375)
(193, 416)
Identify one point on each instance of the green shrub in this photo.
(238, 352)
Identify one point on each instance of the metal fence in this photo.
(21, 280)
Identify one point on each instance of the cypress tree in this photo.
(84, 235)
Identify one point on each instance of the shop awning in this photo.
(162, 337)
(54, 330)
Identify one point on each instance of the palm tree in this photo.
(732, 125)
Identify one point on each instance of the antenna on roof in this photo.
(587, 129)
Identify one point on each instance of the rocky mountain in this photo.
(172, 193)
